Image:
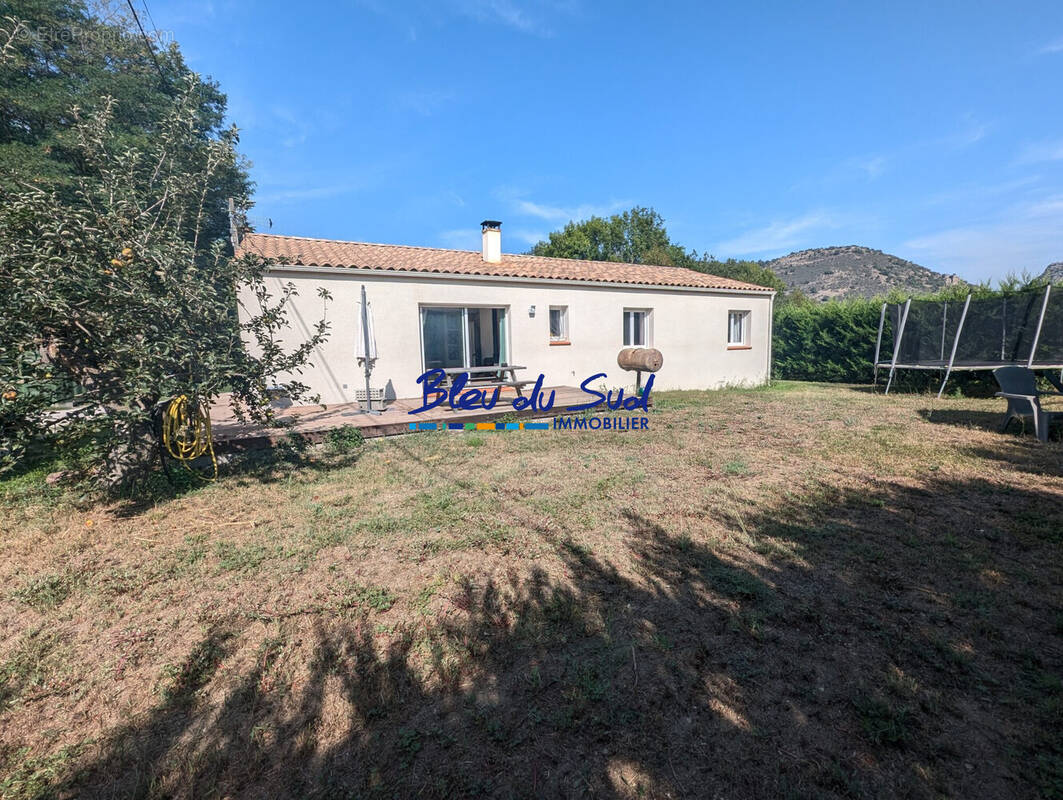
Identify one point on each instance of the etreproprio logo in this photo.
(460, 398)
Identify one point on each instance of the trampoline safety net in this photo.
(1024, 328)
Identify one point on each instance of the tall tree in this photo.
(638, 236)
(116, 289)
(56, 55)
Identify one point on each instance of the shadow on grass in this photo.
(991, 421)
(983, 420)
(903, 642)
(294, 455)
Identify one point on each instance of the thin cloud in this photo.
(570, 213)
(459, 239)
(977, 191)
(469, 238)
(973, 131)
(1052, 47)
(872, 167)
(282, 196)
(777, 237)
(296, 125)
(1041, 151)
(541, 211)
(845, 170)
(529, 237)
(508, 14)
(425, 103)
(531, 19)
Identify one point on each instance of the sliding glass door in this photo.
(443, 334)
(463, 337)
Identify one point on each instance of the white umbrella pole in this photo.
(365, 340)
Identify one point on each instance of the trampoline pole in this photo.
(897, 344)
(1040, 322)
(1003, 326)
(955, 344)
(878, 341)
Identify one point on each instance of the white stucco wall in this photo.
(689, 327)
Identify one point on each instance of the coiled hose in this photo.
(186, 433)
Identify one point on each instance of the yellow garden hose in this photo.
(186, 432)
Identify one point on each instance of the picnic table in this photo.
(499, 371)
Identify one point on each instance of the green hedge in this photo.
(833, 341)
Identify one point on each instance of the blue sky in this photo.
(932, 130)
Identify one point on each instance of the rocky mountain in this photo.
(1054, 272)
(853, 271)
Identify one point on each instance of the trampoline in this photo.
(1024, 329)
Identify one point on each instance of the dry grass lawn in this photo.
(805, 591)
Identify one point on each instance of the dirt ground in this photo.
(803, 591)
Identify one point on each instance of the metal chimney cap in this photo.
(491, 225)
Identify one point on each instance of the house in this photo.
(564, 318)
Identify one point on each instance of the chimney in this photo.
(492, 243)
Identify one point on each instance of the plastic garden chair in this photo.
(1018, 385)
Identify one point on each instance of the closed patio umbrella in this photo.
(365, 335)
(365, 345)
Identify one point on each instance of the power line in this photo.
(147, 41)
(151, 20)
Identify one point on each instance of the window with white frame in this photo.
(738, 329)
(558, 323)
(637, 328)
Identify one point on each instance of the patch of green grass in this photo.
(736, 467)
(377, 598)
(1043, 526)
(327, 536)
(40, 653)
(949, 658)
(184, 558)
(410, 744)
(424, 597)
(233, 557)
(587, 683)
(561, 611)
(181, 681)
(36, 778)
(732, 582)
(884, 722)
(580, 551)
(119, 581)
(488, 534)
(25, 480)
(381, 524)
(474, 441)
(45, 592)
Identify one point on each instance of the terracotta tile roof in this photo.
(330, 253)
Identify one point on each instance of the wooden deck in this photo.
(312, 422)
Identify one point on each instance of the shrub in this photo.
(833, 341)
(344, 439)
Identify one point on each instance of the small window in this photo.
(738, 329)
(636, 327)
(558, 323)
